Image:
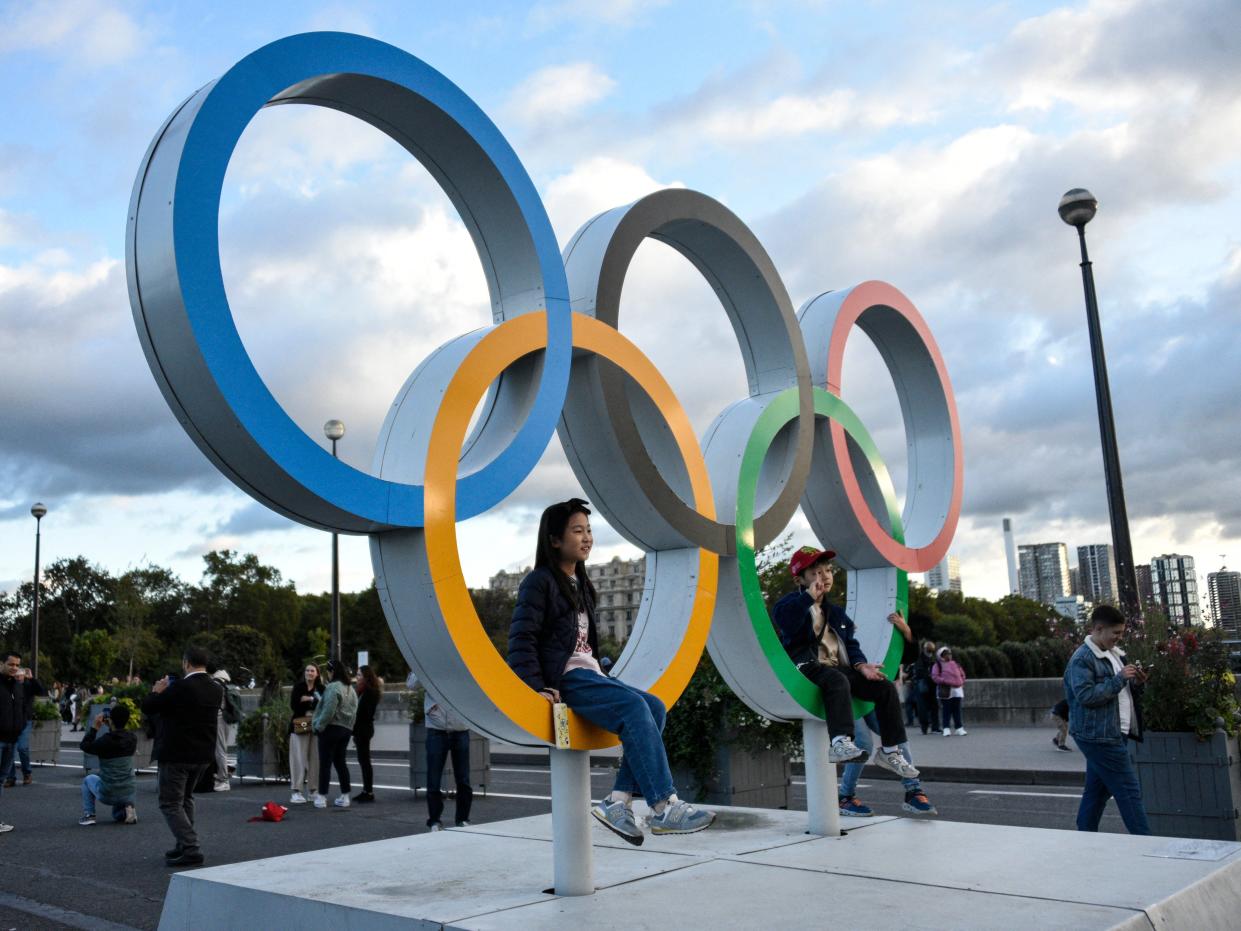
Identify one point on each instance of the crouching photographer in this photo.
(114, 784)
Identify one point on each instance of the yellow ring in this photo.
(495, 352)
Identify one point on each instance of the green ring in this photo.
(781, 411)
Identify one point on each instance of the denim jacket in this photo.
(1092, 689)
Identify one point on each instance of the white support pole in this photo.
(822, 804)
(571, 850)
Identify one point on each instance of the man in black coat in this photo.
(187, 708)
(12, 714)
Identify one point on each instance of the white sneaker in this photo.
(947, 731)
(845, 751)
(320, 800)
(221, 787)
(895, 762)
(342, 801)
(297, 799)
(961, 732)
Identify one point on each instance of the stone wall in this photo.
(1011, 702)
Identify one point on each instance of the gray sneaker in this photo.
(618, 818)
(845, 751)
(680, 818)
(896, 763)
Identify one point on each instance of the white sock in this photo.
(890, 749)
(616, 796)
(660, 806)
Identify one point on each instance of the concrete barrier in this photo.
(1011, 702)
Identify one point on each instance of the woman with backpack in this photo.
(950, 689)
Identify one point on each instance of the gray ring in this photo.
(626, 459)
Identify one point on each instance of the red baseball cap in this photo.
(806, 557)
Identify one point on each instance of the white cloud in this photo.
(615, 13)
(593, 186)
(80, 31)
(559, 91)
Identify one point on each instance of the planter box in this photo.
(480, 763)
(1190, 788)
(45, 742)
(754, 780)
(261, 764)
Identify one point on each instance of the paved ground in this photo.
(55, 874)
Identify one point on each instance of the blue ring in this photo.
(228, 108)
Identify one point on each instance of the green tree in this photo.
(239, 591)
(136, 643)
(243, 651)
(92, 655)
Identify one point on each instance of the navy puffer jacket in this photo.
(543, 631)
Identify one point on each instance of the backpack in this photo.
(232, 705)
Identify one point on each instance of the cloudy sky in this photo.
(923, 144)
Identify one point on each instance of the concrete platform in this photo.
(754, 868)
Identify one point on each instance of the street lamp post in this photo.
(37, 512)
(334, 430)
(1077, 208)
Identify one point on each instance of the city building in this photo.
(1044, 571)
(1010, 554)
(1224, 595)
(1174, 586)
(1075, 581)
(508, 581)
(945, 575)
(619, 584)
(1146, 591)
(1074, 607)
(1096, 567)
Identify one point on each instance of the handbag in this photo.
(301, 725)
(943, 690)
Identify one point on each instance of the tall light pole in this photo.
(37, 512)
(1077, 208)
(334, 430)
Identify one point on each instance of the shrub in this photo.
(1000, 665)
(1017, 658)
(46, 711)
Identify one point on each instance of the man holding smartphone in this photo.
(187, 707)
(1102, 690)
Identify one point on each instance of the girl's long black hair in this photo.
(552, 524)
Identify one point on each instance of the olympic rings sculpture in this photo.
(554, 360)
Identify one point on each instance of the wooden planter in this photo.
(45, 742)
(1191, 788)
(480, 763)
(753, 780)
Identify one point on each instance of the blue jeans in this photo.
(22, 748)
(1110, 774)
(92, 788)
(440, 744)
(862, 728)
(6, 758)
(636, 717)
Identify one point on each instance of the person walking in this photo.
(949, 680)
(188, 708)
(333, 722)
(303, 746)
(370, 689)
(924, 689)
(1060, 714)
(1103, 692)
